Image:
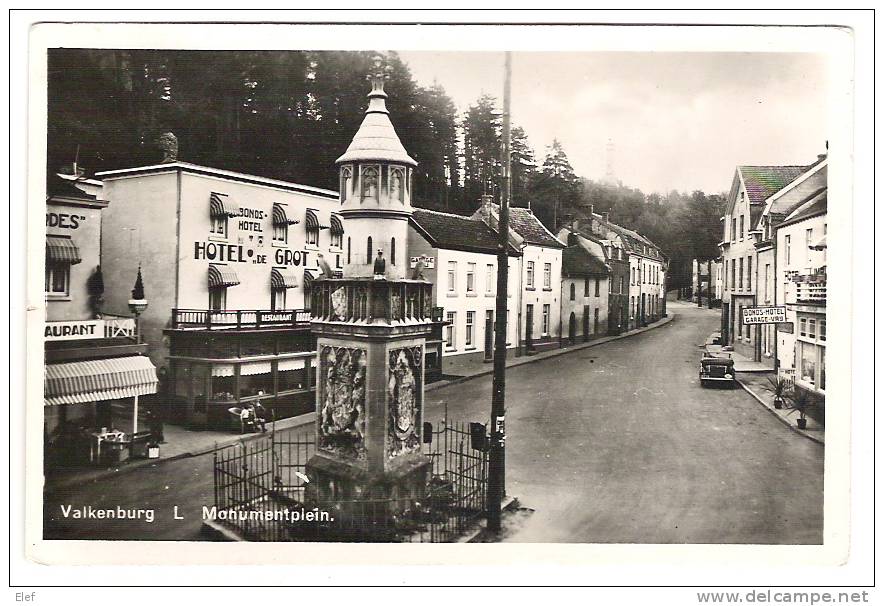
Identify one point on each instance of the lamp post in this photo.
(137, 305)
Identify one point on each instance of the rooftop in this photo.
(578, 262)
(526, 225)
(456, 232)
(763, 181)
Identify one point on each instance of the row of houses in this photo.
(773, 254)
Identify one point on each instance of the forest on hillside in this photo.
(289, 114)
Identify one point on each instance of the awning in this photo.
(222, 276)
(62, 250)
(820, 244)
(337, 226)
(255, 368)
(291, 364)
(222, 206)
(96, 380)
(280, 218)
(313, 220)
(283, 278)
(309, 276)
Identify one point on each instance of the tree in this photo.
(481, 151)
(555, 190)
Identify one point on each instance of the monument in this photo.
(371, 327)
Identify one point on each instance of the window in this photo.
(277, 300)
(802, 323)
(349, 256)
(808, 242)
(808, 363)
(471, 319)
(740, 321)
(586, 287)
(337, 240)
(392, 251)
(58, 278)
(397, 189)
(281, 233)
(822, 330)
(788, 250)
(218, 298)
(733, 274)
(811, 329)
(748, 273)
(530, 278)
(547, 275)
(346, 178)
(471, 277)
(741, 273)
(451, 318)
(545, 320)
(598, 283)
(632, 275)
(219, 225)
(313, 236)
(742, 226)
(573, 291)
(369, 183)
(368, 251)
(489, 278)
(452, 276)
(620, 291)
(734, 229)
(766, 282)
(631, 307)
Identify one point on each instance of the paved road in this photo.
(616, 443)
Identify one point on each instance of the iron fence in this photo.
(260, 493)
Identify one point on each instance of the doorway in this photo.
(586, 323)
(572, 329)
(529, 328)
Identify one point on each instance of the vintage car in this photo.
(717, 368)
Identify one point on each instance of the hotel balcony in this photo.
(809, 287)
(239, 319)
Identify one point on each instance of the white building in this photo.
(585, 288)
(459, 255)
(539, 318)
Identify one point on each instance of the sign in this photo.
(77, 329)
(429, 262)
(767, 314)
(786, 327)
(64, 220)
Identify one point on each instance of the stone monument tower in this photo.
(371, 328)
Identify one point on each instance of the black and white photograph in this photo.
(365, 291)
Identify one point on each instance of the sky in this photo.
(677, 120)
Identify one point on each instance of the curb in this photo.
(791, 426)
(553, 353)
(298, 421)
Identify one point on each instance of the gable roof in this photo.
(456, 232)
(762, 182)
(578, 262)
(524, 223)
(814, 204)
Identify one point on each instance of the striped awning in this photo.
(220, 205)
(337, 226)
(222, 276)
(280, 217)
(309, 276)
(62, 250)
(313, 220)
(820, 244)
(96, 380)
(283, 278)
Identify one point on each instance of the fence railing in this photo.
(219, 319)
(350, 300)
(257, 482)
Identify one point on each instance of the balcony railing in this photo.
(239, 319)
(810, 292)
(367, 301)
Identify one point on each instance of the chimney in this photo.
(486, 201)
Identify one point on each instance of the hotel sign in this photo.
(766, 314)
(429, 262)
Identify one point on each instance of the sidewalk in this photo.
(467, 372)
(741, 362)
(180, 443)
(756, 384)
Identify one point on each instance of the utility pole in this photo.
(497, 454)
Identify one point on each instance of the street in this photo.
(613, 444)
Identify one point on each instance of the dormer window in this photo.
(397, 184)
(369, 183)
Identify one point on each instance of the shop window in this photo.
(277, 299)
(290, 380)
(808, 363)
(471, 277)
(219, 225)
(530, 277)
(547, 275)
(546, 320)
(58, 278)
(218, 298)
(223, 389)
(250, 385)
(451, 318)
(471, 320)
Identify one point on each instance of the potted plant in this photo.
(801, 402)
(779, 387)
